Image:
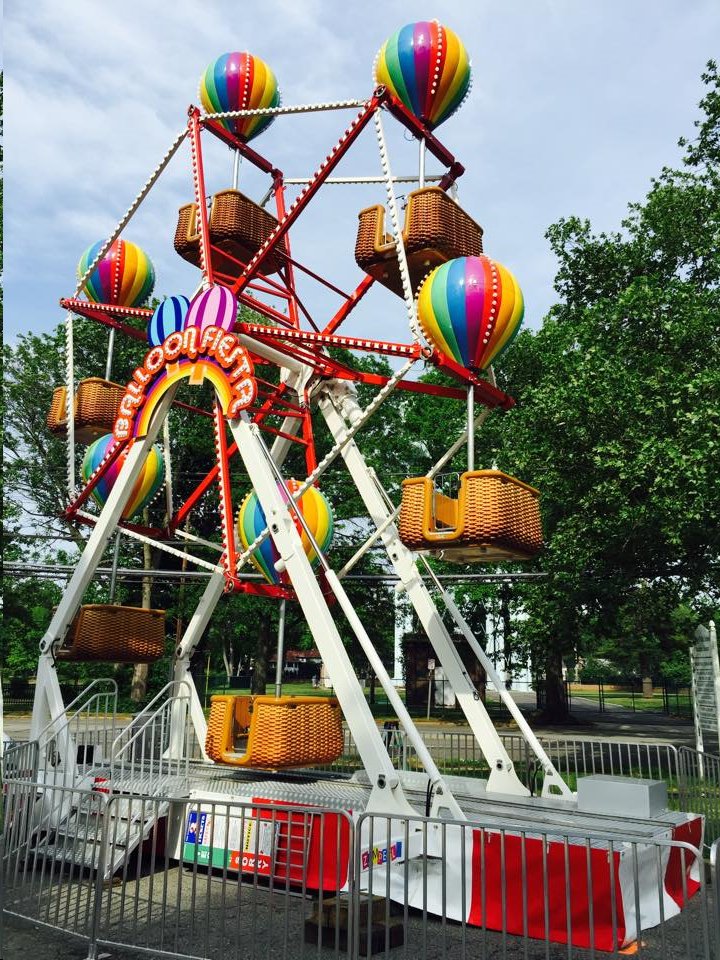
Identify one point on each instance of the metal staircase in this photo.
(129, 776)
(99, 833)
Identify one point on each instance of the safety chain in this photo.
(396, 232)
(278, 111)
(131, 210)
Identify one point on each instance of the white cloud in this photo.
(574, 107)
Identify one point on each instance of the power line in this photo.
(62, 571)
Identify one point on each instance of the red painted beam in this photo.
(297, 207)
(74, 506)
(199, 187)
(257, 160)
(309, 338)
(355, 297)
(419, 130)
(109, 315)
(227, 514)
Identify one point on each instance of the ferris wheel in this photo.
(269, 377)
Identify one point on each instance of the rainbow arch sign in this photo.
(194, 355)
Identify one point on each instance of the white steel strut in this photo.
(387, 793)
(339, 406)
(48, 705)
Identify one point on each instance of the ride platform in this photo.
(530, 850)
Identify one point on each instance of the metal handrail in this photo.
(83, 694)
(151, 716)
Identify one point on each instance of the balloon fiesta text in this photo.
(195, 354)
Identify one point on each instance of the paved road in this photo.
(616, 723)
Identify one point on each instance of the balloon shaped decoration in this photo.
(425, 66)
(169, 317)
(214, 307)
(240, 81)
(125, 276)
(470, 309)
(317, 513)
(151, 479)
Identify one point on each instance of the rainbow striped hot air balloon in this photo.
(240, 81)
(470, 309)
(214, 307)
(425, 66)
(169, 317)
(125, 276)
(151, 479)
(317, 513)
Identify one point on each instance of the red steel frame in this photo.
(289, 338)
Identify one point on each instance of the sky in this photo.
(575, 106)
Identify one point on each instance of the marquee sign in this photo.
(193, 354)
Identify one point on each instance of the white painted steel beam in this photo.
(503, 778)
(190, 639)
(47, 691)
(387, 793)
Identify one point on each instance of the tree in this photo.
(617, 420)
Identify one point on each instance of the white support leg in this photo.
(387, 794)
(192, 636)
(204, 611)
(553, 783)
(47, 691)
(503, 778)
(48, 718)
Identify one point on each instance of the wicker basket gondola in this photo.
(280, 732)
(238, 228)
(115, 634)
(57, 416)
(96, 404)
(495, 517)
(436, 230)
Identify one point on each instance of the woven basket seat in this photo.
(115, 634)
(237, 226)
(494, 518)
(96, 404)
(272, 733)
(436, 230)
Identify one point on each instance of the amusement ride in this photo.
(463, 310)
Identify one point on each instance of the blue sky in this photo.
(574, 107)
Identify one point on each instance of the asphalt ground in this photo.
(201, 920)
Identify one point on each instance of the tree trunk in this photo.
(556, 705)
(138, 687)
(507, 638)
(647, 688)
(229, 661)
(262, 654)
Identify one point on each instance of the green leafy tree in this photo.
(617, 421)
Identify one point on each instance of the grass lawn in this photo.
(380, 709)
(679, 703)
